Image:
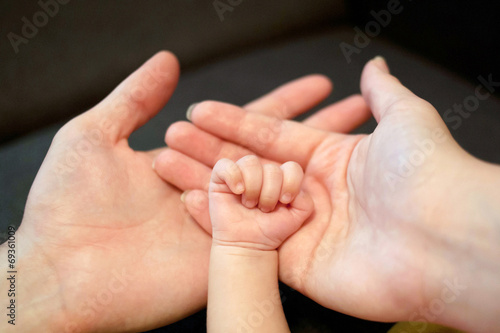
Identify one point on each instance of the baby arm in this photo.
(253, 209)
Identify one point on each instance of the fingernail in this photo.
(183, 196)
(190, 111)
(381, 63)
(286, 198)
(239, 188)
(264, 209)
(250, 204)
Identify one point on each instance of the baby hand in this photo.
(254, 205)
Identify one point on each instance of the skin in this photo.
(104, 239)
(388, 240)
(243, 273)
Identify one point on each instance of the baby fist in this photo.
(255, 205)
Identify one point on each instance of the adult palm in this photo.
(105, 244)
(107, 238)
(364, 251)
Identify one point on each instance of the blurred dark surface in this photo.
(462, 36)
(87, 49)
(302, 314)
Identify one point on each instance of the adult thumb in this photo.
(385, 94)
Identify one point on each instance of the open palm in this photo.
(105, 234)
(104, 239)
(358, 253)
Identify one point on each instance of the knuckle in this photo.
(267, 199)
(220, 164)
(406, 103)
(280, 107)
(272, 170)
(265, 137)
(292, 167)
(249, 160)
(232, 152)
(233, 169)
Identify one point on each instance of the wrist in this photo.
(243, 281)
(242, 245)
(30, 288)
(234, 261)
(465, 264)
(243, 251)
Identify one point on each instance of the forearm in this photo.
(243, 291)
(470, 246)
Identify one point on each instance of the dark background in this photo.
(462, 36)
(437, 49)
(88, 47)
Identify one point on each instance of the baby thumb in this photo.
(196, 202)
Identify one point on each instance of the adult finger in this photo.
(153, 153)
(196, 202)
(293, 98)
(182, 171)
(269, 137)
(300, 95)
(385, 94)
(138, 98)
(208, 148)
(342, 116)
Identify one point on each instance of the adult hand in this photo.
(105, 244)
(388, 240)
